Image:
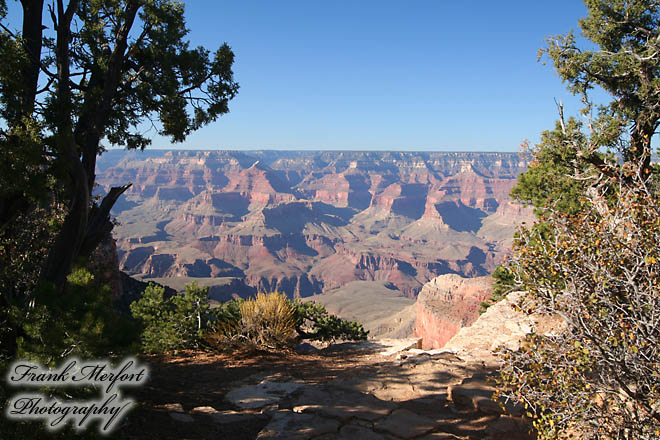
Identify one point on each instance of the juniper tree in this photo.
(85, 71)
(77, 75)
(592, 256)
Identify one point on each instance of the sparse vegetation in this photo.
(268, 321)
(83, 323)
(502, 285)
(599, 271)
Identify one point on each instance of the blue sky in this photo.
(383, 75)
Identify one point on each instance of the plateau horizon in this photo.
(317, 150)
(304, 223)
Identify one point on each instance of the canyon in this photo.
(307, 223)
(446, 304)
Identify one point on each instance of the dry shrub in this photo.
(269, 320)
(266, 321)
(600, 271)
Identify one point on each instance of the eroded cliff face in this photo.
(502, 325)
(306, 222)
(446, 304)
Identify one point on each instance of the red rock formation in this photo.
(446, 304)
(305, 222)
(515, 212)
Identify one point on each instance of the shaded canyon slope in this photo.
(307, 222)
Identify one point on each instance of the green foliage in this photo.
(225, 326)
(269, 321)
(82, 323)
(315, 323)
(44, 324)
(548, 179)
(503, 284)
(626, 66)
(229, 311)
(162, 78)
(592, 258)
(24, 177)
(159, 76)
(172, 323)
(23, 247)
(272, 321)
(89, 71)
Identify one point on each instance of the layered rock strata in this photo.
(306, 222)
(446, 304)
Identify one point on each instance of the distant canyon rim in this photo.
(312, 222)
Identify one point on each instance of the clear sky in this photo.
(383, 75)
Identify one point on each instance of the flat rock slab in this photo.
(508, 428)
(479, 395)
(305, 347)
(341, 405)
(349, 432)
(435, 353)
(288, 425)
(406, 424)
(260, 395)
(203, 410)
(384, 387)
(229, 416)
(396, 390)
(394, 346)
(467, 393)
(357, 383)
(443, 436)
(436, 408)
(175, 407)
(384, 347)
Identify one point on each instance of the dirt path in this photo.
(349, 391)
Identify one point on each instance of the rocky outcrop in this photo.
(132, 290)
(103, 265)
(446, 304)
(500, 326)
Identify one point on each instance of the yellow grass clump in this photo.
(266, 321)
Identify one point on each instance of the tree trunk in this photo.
(70, 237)
(99, 224)
(83, 229)
(32, 35)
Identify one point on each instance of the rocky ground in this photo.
(376, 390)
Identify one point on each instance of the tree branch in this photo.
(99, 225)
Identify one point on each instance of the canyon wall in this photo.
(446, 304)
(307, 222)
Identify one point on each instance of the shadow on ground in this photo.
(345, 392)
